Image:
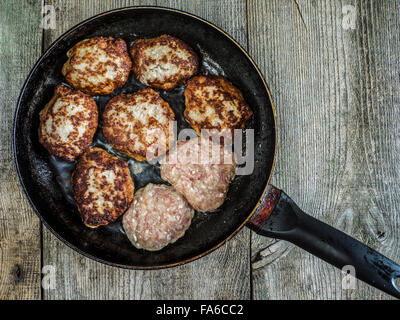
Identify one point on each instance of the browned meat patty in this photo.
(102, 186)
(137, 124)
(157, 217)
(68, 123)
(203, 182)
(163, 62)
(98, 65)
(214, 103)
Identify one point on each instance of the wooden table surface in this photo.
(333, 68)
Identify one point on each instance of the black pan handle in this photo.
(279, 217)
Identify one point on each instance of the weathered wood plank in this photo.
(20, 46)
(337, 97)
(224, 274)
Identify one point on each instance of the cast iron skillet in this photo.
(250, 200)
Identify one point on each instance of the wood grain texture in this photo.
(337, 95)
(223, 274)
(20, 46)
(338, 104)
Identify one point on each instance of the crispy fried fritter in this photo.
(137, 124)
(68, 123)
(163, 62)
(102, 186)
(98, 65)
(215, 103)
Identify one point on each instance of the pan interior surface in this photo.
(46, 180)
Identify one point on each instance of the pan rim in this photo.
(16, 165)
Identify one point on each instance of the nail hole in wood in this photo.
(17, 272)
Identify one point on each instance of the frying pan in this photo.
(250, 201)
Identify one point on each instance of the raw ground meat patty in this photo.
(203, 183)
(102, 186)
(68, 123)
(157, 217)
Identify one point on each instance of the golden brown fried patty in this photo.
(214, 103)
(102, 187)
(137, 124)
(68, 123)
(163, 62)
(98, 65)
